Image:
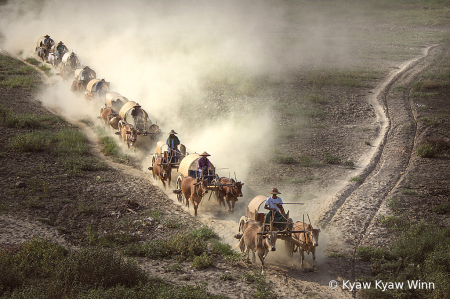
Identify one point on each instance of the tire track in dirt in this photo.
(357, 206)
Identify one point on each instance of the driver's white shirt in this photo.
(272, 202)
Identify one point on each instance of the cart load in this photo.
(132, 113)
(115, 100)
(80, 76)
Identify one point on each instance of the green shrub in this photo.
(394, 223)
(421, 253)
(10, 276)
(13, 120)
(371, 253)
(73, 142)
(95, 267)
(442, 209)
(181, 246)
(31, 142)
(284, 160)
(263, 289)
(226, 276)
(173, 268)
(32, 61)
(109, 146)
(39, 257)
(329, 159)
(76, 164)
(203, 261)
(204, 233)
(426, 151)
(222, 248)
(357, 179)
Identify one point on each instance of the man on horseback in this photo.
(173, 142)
(275, 205)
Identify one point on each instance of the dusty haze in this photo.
(170, 56)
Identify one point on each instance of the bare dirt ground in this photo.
(346, 211)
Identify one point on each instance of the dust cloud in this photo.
(171, 57)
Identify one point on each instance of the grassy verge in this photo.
(110, 146)
(40, 268)
(14, 73)
(70, 145)
(420, 254)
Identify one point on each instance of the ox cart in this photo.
(42, 50)
(132, 113)
(115, 100)
(284, 229)
(96, 89)
(171, 157)
(82, 78)
(188, 167)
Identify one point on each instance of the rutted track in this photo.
(353, 211)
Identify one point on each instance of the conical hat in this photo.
(274, 191)
(205, 154)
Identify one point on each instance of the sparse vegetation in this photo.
(393, 203)
(421, 253)
(329, 159)
(442, 208)
(357, 179)
(394, 223)
(284, 160)
(263, 289)
(202, 261)
(181, 246)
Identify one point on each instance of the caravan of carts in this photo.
(133, 124)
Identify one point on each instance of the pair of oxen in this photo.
(127, 131)
(258, 239)
(194, 189)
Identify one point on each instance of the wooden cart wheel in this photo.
(153, 162)
(180, 195)
(241, 224)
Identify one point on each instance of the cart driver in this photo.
(275, 205)
(135, 113)
(47, 42)
(203, 165)
(173, 142)
(61, 49)
(86, 74)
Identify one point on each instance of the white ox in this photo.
(257, 240)
(307, 241)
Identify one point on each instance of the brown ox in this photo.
(107, 114)
(78, 86)
(194, 189)
(257, 240)
(307, 241)
(231, 193)
(114, 122)
(163, 170)
(129, 135)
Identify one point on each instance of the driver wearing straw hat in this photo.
(203, 165)
(275, 205)
(173, 142)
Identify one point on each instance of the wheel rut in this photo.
(354, 211)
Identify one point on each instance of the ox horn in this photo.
(309, 221)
